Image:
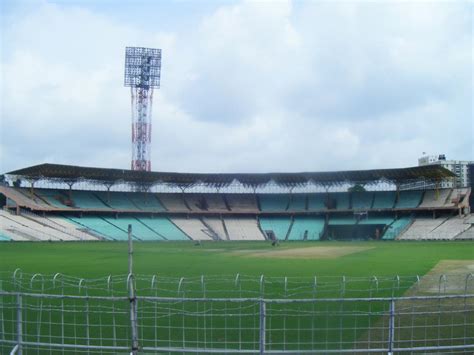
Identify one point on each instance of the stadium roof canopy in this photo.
(69, 173)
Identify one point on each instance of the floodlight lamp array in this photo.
(142, 67)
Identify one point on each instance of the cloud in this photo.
(253, 86)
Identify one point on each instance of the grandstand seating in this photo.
(87, 199)
(362, 200)
(164, 227)
(241, 228)
(139, 230)
(421, 228)
(273, 202)
(55, 198)
(384, 199)
(342, 220)
(242, 202)
(306, 227)
(371, 220)
(449, 230)
(216, 202)
(216, 225)
(197, 202)
(100, 227)
(193, 227)
(146, 201)
(297, 202)
(116, 200)
(26, 196)
(4, 238)
(173, 202)
(342, 200)
(396, 228)
(316, 202)
(468, 234)
(409, 199)
(278, 225)
(434, 199)
(21, 228)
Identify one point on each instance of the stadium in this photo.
(334, 244)
(315, 262)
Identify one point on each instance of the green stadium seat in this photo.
(100, 227)
(278, 225)
(384, 199)
(409, 199)
(164, 228)
(362, 200)
(397, 227)
(273, 202)
(316, 202)
(311, 227)
(139, 230)
(297, 202)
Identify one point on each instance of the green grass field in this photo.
(89, 260)
(216, 324)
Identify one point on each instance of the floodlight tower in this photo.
(142, 75)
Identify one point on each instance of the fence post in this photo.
(19, 323)
(131, 294)
(391, 327)
(262, 325)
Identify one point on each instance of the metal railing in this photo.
(54, 323)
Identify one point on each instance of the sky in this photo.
(268, 86)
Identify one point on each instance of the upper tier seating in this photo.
(164, 227)
(242, 202)
(273, 202)
(433, 198)
(396, 228)
(459, 196)
(116, 200)
(362, 200)
(139, 230)
(384, 199)
(193, 227)
(197, 202)
(307, 227)
(27, 197)
(450, 229)
(241, 228)
(316, 202)
(409, 199)
(100, 227)
(173, 202)
(297, 202)
(86, 199)
(421, 228)
(217, 226)
(146, 201)
(278, 225)
(216, 202)
(342, 200)
(56, 198)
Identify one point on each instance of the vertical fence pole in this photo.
(262, 325)
(131, 294)
(391, 327)
(19, 323)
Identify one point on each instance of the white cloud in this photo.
(256, 86)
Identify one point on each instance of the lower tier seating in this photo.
(164, 228)
(307, 228)
(241, 228)
(100, 227)
(396, 228)
(216, 225)
(278, 225)
(193, 227)
(139, 230)
(421, 228)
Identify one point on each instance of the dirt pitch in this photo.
(319, 252)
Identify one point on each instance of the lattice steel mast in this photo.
(142, 75)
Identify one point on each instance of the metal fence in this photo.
(235, 314)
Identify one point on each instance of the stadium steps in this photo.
(217, 225)
(398, 227)
(278, 225)
(214, 235)
(257, 200)
(193, 227)
(292, 222)
(308, 227)
(226, 202)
